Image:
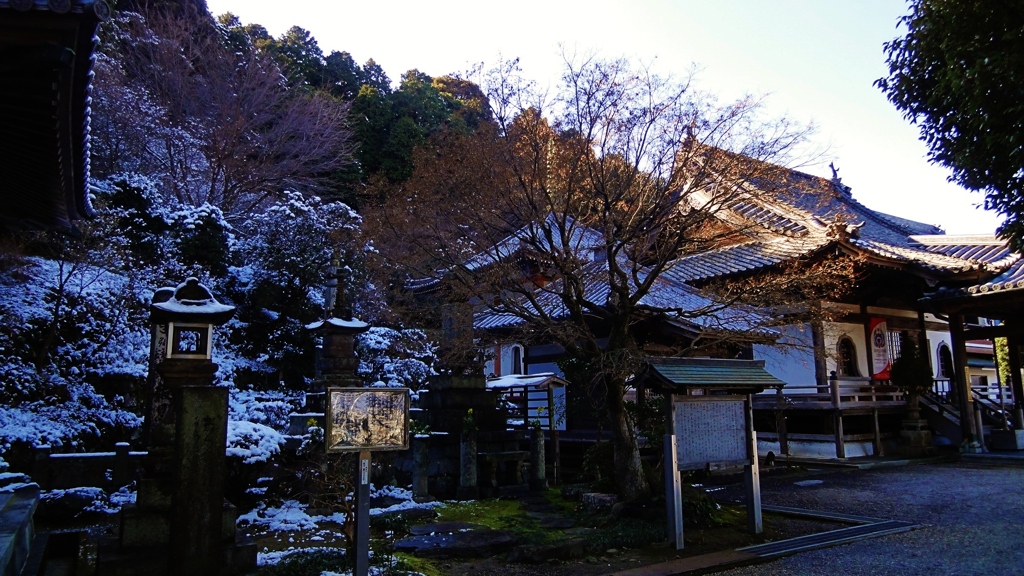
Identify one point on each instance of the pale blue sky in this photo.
(816, 58)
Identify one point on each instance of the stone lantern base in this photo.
(916, 438)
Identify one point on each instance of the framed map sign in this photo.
(710, 430)
(361, 419)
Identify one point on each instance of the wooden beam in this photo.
(990, 332)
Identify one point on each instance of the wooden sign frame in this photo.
(367, 419)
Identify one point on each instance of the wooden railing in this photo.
(943, 389)
(840, 393)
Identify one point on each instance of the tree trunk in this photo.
(629, 469)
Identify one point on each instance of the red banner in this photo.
(879, 344)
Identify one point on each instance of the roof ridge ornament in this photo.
(839, 229)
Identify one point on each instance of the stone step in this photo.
(16, 528)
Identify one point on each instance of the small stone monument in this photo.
(336, 362)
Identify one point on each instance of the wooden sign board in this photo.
(710, 430)
(362, 419)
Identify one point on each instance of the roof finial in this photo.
(835, 173)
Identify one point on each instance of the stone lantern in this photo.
(181, 496)
(338, 363)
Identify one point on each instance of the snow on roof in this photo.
(350, 324)
(540, 381)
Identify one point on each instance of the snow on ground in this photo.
(100, 500)
(266, 558)
(291, 515)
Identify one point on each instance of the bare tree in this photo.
(214, 124)
(570, 217)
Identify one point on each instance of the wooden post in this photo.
(981, 427)
(362, 523)
(867, 342)
(1013, 347)
(962, 382)
(673, 498)
(820, 367)
(780, 423)
(837, 416)
(752, 475)
(879, 449)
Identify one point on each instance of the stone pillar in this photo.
(421, 466)
(469, 488)
(197, 499)
(538, 479)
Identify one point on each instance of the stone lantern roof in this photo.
(190, 301)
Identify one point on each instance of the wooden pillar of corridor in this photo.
(962, 381)
(1013, 342)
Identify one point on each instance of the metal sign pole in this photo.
(362, 543)
(673, 497)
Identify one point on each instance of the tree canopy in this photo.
(566, 214)
(959, 75)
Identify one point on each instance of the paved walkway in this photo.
(972, 516)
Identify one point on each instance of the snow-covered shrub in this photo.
(69, 421)
(67, 324)
(396, 357)
(270, 408)
(253, 442)
(286, 249)
(204, 240)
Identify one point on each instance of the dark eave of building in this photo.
(46, 57)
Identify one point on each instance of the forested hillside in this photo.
(222, 152)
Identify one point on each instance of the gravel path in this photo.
(972, 519)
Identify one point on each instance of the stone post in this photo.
(197, 498)
(120, 472)
(538, 479)
(41, 466)
(421, 466)
(469, 488)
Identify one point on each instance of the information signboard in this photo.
(710, 430)
(367, 419)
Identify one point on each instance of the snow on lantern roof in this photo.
(189, 302)
(351, 325)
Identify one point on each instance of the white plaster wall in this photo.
(794, 362)
(545, 367)
(815, 449)
(855, 332)
(505, 365)
(935, 339)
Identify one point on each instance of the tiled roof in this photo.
(978, 248)
(808, 211)
(676, 299)
(713, 372)
(927, 259)
(767, 218)
(579, 239)
(742, 258)
(1010, 279)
